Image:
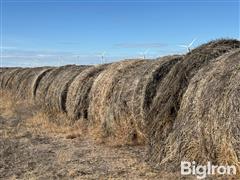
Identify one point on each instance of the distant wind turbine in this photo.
(103, 57)
(188, 47)
(144, 53)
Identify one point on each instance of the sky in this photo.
(51, 32)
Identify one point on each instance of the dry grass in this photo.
(45, 123)
(9, 104)
(123, 135)
(42, 122)
(37, 120)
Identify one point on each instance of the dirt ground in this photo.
(31, 148)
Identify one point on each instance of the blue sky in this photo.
(60, 32)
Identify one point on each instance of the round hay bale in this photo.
(24, 90)
(78, 94)
(17, 80)
(44, 83)
(4, 75)
(111, 97)
(146, 87)
(207, 127)
(57, 92)
(168, 98)
(100, 88)
(10, 78)
(37, 80)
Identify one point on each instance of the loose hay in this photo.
(77, 102)
(167, 102)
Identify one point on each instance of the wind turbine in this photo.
(189, 45)
(144, 53)
(102, 57)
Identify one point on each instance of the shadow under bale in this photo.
(77, 102)
(58, 89)
(207, 127)
(167, 102)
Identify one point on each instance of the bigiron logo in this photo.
(202, 171)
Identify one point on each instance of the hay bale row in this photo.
(56, 94)
(207, 127)
(167, 101)
(77, 101)
(19, 80)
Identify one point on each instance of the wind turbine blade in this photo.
(184, 46)
(192, 42)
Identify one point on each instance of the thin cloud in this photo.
(69, 43)
(7, 47)
(140, 45)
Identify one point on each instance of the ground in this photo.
(32, 148)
